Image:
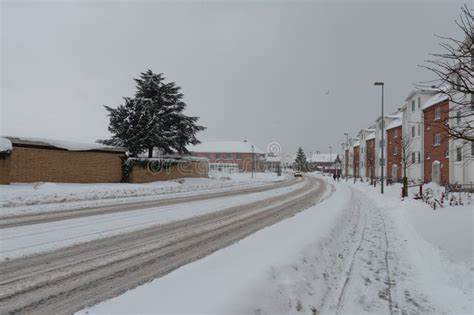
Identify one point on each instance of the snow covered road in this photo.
(65, 280)
(352, 253)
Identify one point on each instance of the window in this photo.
(395, 133)
(382, 162)
(437, 113)
(472, 148)
(412, 131)
(459, 154)
(413, 161)
(413, 105)
(446, 154)
(418, 157)
(419, 130)
(395, 150)
(381, 144)
(437, 139)
(419, 102)
(239, 156)
(458, 117)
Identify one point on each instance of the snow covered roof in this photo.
(435, 99)
(397, 122)
(356, 143)
(370, 136)
(5, 145)
(66, 145)
(422, 91)
(224, 147)
(323, 157)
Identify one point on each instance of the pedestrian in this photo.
(334, 176)
(338, 176)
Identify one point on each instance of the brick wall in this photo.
(30, 164)
(244, 160)
(141, 174)
(356, 161)
(434, 152)
(394, 153)
(5, 170)
(370, 158)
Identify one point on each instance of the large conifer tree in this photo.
(300, 159)
(154, 118)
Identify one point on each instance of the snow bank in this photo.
(28, 198)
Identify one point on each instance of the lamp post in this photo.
(383, 144)
(346, 152)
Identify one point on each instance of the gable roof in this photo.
(435, 99)
(224, 147)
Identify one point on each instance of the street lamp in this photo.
(383, 144)
(346, 152)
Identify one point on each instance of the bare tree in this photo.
(407, 159)
(453, 69)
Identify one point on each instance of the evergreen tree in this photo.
(300, 159)
(154, 118)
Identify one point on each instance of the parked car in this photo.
(298, 174)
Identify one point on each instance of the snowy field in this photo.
(356, 252)
(36, 197)
(30, 239)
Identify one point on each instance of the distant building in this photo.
(231, 156)
(324, 162)
(394, 149)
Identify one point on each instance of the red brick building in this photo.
(394, 152)
(356, 160)
(436, 141)
(231, 155)
(370, 158)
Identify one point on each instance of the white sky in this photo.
(251, 70)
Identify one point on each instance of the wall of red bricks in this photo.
(188, 169)
(28, 164)
(394, 155)
(370, 158)
(432, 152)
(244, 160)
(356, 161)
(5, 170)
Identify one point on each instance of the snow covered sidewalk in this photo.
(37, 197)
(355, 252)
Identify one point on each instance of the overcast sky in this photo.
(251, 70)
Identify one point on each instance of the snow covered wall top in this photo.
(66, 145)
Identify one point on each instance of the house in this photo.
(363, 135)
(412, 130)
(232, 156)
(436, 139)
(356, 158)
(324, 162)
(394, 149)
(381, 146)
(370, 160)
